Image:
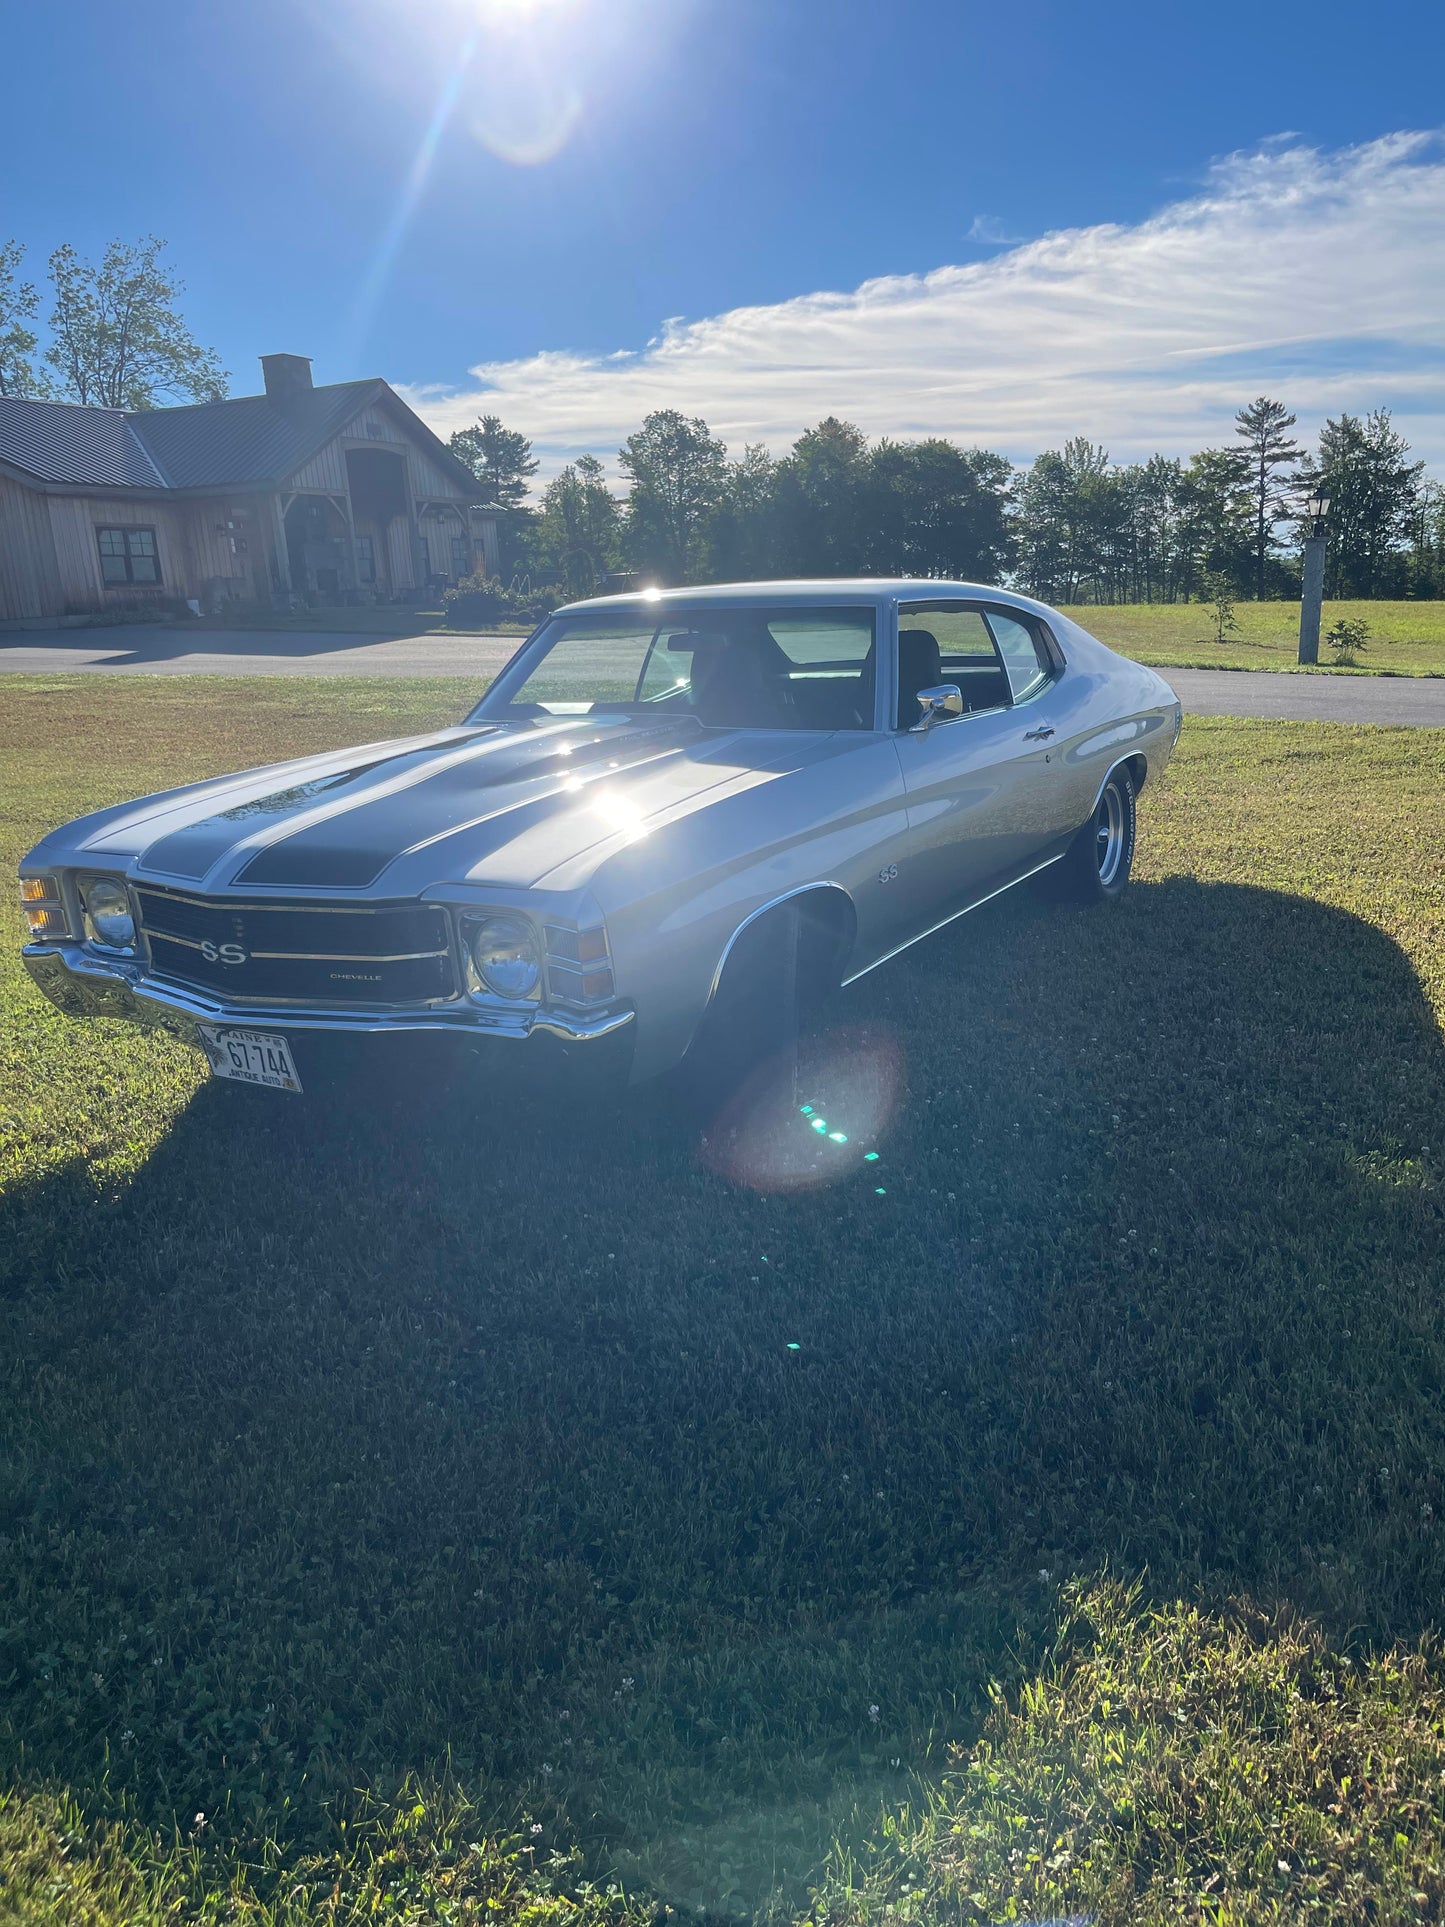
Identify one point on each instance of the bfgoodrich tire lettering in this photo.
(1096, 866)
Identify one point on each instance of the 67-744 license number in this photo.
(249, 1056)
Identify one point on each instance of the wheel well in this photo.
(1138, 768)
(825, 936)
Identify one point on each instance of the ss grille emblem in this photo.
(226, 953)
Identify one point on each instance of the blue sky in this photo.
(537, 188)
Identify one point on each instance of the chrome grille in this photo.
(256, 951)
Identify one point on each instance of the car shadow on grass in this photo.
(690, 1519)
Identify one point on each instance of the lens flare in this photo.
(801, 1123)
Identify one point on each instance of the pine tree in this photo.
(1267, 450)
(500, 458)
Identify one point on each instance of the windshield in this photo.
(726, 667)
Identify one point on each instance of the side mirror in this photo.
(945, 699)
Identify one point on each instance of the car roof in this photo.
(827, 591)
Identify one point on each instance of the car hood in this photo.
(500, 804)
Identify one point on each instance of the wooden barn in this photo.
(333, 494)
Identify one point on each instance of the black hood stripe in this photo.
(350, 844)
(191, 852)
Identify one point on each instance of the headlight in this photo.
(44, 907)
(504, 955)
(107, 913)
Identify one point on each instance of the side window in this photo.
(128, 555)
(943, 642)
(1023, 654)
(667, 673)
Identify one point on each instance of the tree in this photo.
(500, 458)
(1215, 520)
(1144, 563)
(1065, 504)
(1427, 542)
(18, 304)
(503, 463)
(118, 340)
(678, 470)
(1373, 491)
(1268, 450)
(1219, 594)
(743, 535)
(820, 492)
(934, 509)
(576, 533)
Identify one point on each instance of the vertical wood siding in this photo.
(193, 544)
(325, 471)
(29, 574)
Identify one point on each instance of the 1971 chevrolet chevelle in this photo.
(667, 809)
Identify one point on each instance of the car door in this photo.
(981, 788)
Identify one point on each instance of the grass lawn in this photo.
(1406, 638)
(446, 1511)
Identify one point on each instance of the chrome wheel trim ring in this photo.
(1109, 835)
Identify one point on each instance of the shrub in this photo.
(1346, 638)
(475, 600)
(479, 600)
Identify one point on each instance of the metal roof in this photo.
(258, 438)
(244, 443)
(58, 442)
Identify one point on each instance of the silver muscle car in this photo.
(670, 813)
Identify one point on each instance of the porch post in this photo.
(283, 554)
(350, 581)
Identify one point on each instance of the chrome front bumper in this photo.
(84, 985)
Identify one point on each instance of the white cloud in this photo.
(989, 230)
(1316, 277)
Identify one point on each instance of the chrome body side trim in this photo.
(954, 916)
(803, 890)
(84, 985)
(1138, 756)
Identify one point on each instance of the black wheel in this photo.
(1096, 866)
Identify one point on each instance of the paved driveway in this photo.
(165, 650)
(162, 650)
(1321, 699)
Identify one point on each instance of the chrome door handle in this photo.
(1037, 735)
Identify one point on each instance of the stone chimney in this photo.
(286, 375)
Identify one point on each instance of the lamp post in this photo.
(1316, 509)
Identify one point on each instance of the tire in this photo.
(1095, 868)
(776, 976)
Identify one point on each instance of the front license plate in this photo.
(250, 1056)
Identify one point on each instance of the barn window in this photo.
(128, 555)
(365, 559)
(461, 556)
